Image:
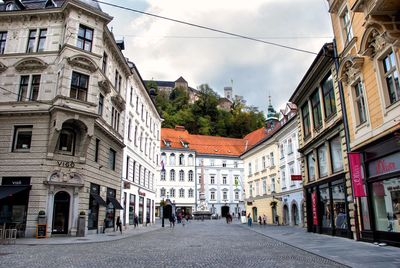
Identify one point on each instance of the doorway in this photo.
(61, 213)
(295, 215)
(255, 214)
(285, 215)
(224, 211)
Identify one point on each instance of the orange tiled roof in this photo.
(256, 136)
(202, 144)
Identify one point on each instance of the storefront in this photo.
(14, 198)
(380, 210)
(95, 201)
(132, 212)
(112, 205)
(327, 207)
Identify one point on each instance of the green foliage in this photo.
(203, 117)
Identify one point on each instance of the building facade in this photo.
(60, 117)
(322, 144)
(289, 168)
(141, 154)
(367, 34)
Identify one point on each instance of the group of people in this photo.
(261, 220)
(183, 219)
(118, 223)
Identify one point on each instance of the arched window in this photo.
(190, 192)
(190, 160)
(190, 175)
(66, 141)
(181, 192)
(181, 160)
(162, 192)
(172, 175)
(163, 175)
(181, 175)
(172, 192)
(172, 159)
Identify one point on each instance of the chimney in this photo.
(179, 128)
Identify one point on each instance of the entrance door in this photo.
(285, 215)
(61, 213)
(255, 214)
(224, 211)
(295, 215)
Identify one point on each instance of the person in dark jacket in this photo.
(119, 224)
(136, 221)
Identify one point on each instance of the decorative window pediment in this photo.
(30, 64)
(83, 62)
(2, 67)
(105, 85)
(350, 68)
(374, 40)
(118, 101)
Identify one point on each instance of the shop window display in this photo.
(339, 205)
(386, 205)
(325, 206)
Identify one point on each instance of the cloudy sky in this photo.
(164, 50)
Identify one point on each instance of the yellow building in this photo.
(367, 34)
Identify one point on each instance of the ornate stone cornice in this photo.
(30, 64)
(118, 101)
(350, 69)
(2, 67)
(83, 62)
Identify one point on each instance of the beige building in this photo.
(63, 80)
(367, 35)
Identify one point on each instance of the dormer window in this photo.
(10, 7)
(185, 144)
(167, 143)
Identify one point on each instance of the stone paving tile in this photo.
(198, 244)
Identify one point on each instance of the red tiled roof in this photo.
(254, 137)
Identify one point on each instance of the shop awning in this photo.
(115, 203)
(9, 190)
(99, 200)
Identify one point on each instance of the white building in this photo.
(185, 157)
(141, 154)
(291, 190)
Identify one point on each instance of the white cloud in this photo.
(255, 68)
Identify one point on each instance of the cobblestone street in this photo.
(198, 244)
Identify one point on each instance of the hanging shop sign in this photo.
(141, 193)
(296, 177)
(314, 208)
(356, 174)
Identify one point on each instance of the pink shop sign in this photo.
(384, 165)
(356, 174)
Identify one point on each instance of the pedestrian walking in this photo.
(238, 216)
(119, 224)
(259, 220)
(147, 219)
(172, 221)
(183, 221)
(249, 220)
(136, 221)
(264, 220)
(104, 225)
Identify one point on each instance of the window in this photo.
(250, 172)
(273, 184)
(223, 163)
(172, 192)
(111, 159)
(291, 170)
(322, 163)
(41, 40)
(101, 105)
(391, 76)
(79, 86)
(190, 193)
(190, 160)
(212, 180)
(3, 40)
(131, 96)
(115, 119)
(31, 41)
(85, 38)
(212, 195)
(135, 137)
(264, 162)
(142, 113)
(66, 141)
(172, 175)
(10, 6)
(22, 138)
(283, 178)
(257, 183)
(96, 150)
(224, 180)
(264, 186)
(172, 159)
(235, 164)
(137, 104)
(118, 81)
(250, 189)
(359, 103)
(181, 159)
(212, 163)
(190, 175)
(23, 88)
(311, 167)
(181, 175)
(162, 192)
(256, 165)
(237, 195)
(128, 160)
(181, 193)
(282, 150)
(272, 159)
(336, 154)
(163, 175)
(134, 171)
(329, 96)
(290, 146)
(316, 108)
(104, 66)
(225, 195)
(346, 26)
(306, 120)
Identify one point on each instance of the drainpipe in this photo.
(347, 136)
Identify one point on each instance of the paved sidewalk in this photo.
(91, 238)
(342, 250)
